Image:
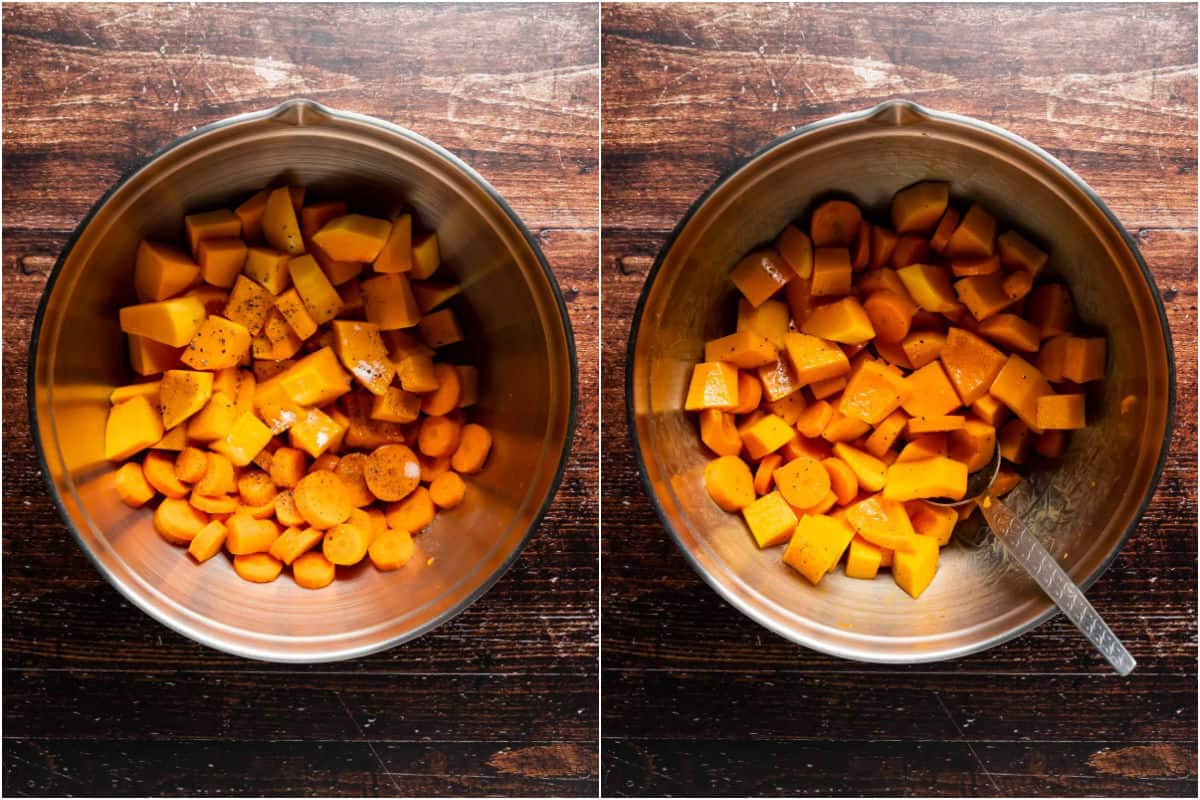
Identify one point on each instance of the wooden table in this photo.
(699, 700)
(98, 698)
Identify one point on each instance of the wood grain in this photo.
(698, 700)
(100, 699)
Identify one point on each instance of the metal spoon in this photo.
(1027, 551)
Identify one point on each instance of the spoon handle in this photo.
(1043, 568)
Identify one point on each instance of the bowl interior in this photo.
(516, 335)
(1082, 508)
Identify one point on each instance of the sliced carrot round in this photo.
(729, 483)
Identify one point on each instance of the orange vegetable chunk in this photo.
(714, 385)
(882, 522)
(934, 477)
(983, 295)
(834, 223)
(760, 275)
(863, 559)
(975, 234)
(1016, 252)
(1050, 310)
(840, 321)
(132, 426)
(161, 271)
(832, 272)
(729, 483)
(765, 435)
(929, 286)
(797, 250)
(1019, 385)
(770, 519)
(973, 444)
(1010, 331)
(873, 392)
(132, 487)
(1060, 412)
(913, 569)
(814, 359)
(769, 319)
(869, 470)
(803, 482)
(745, 349)
(971, 364)
(930, 392)
(1084, 359)
(917, 208)
(816, 546)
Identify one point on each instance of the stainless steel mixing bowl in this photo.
(516, 325)
(1086, 507)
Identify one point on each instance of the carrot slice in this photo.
(392, 472)
(345, 544)
(448, 490)
(322, 499)
(257, 567)
(177, 521)
(392, 549)
(313, 571)
(132, 487)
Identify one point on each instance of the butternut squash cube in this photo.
(440, 329)
(361, 350)
(929, 287)
(426, 256)
(924, 446)
(883, 244)
(161, 271)
(797, 250)
(353, 237)
(770, 519)
(870, 471)
(886, 433)
(320, 299)
(882, 522)
(219, 224)
(863, 559)
(910, 249)
(417, 374)
(983, 295)
(770, 319)
(814, 359)
(1016, 252)
(760, 275)
(966, 268)
(1015, 441)
(221, 260)
(828, 387)
(313, 217)
(263, 349)
(930, 393)
(246, 438)
(170, 322)
(1084, 359)
(1062, 412)
(148, 357)
(817, 545)
(219, 343)
(396, 405)
(935, 477)
(922, 347)
(917, 208)
(468, 379)
(214, 420)
(990, 410)
(148, 390)
(1050, 310)
(844, 429)
(1011, 331)
(273, 406)
(832, 272)
(913, 569)
(936, 522)
(714, 385)
(252, 211)
(316, 379)
(765, 435)
(295, 313)
(397, 252)
(268, 268)
(974, 236)
(778, 380)
(873, 393)
(389, 302)
(280, 227)
(919, 426)
(973, 444)
(971, 364)
(1018, 386)
(745, 349)
(248, 304)
(132, 426)
(181, 394)
(841, 321)
(315, 432)
(1051, 444)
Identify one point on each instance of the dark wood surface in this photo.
(98, 698)
(699, 700)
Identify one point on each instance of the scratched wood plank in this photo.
(359, 768)
(106, 701)
(700, 700)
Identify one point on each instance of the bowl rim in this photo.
(894, 106)
(301, 105)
